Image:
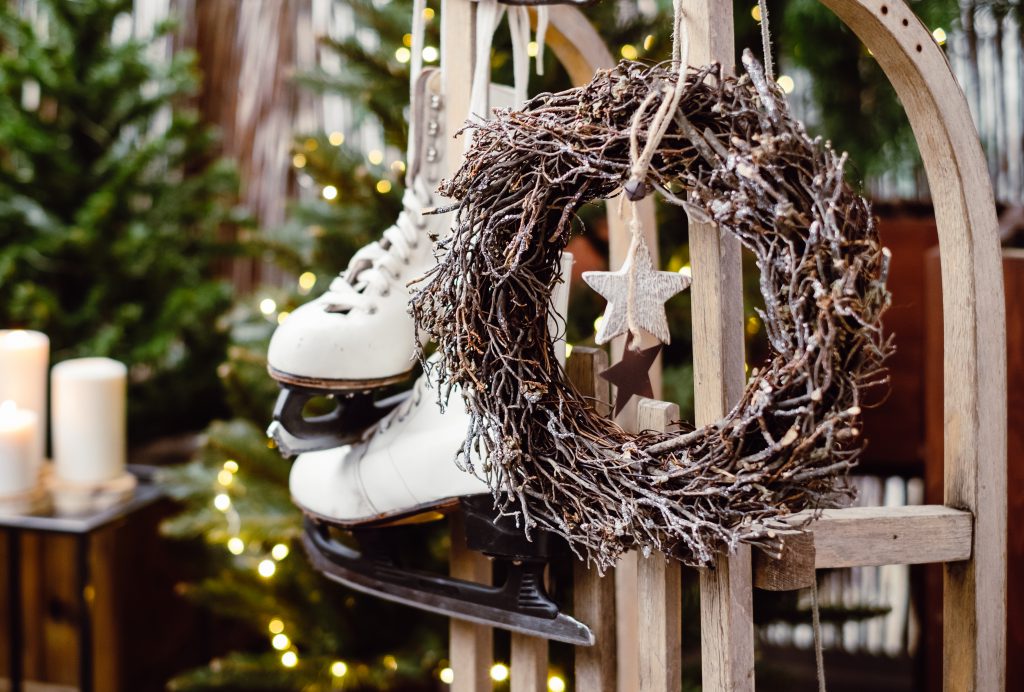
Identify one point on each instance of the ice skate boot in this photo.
(404, 471)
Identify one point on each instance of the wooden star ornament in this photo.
(636, 296)
(631, 375)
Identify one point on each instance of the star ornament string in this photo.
(741, 162)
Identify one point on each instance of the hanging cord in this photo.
(519, 28)
(542, 31)
(819, 654)
(766, 41)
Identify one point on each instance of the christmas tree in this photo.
(110, 201)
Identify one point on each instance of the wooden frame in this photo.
(968, 533)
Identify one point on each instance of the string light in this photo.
(648, 41)
(282, 316)
(280, 642)
(532, 49)
(268, 306)
(390, 662)
(336, 138)
(330, 192)
(299, 160)
(311, 144)
(231, 465)
(428, 14)
(940, 36)
(568, 349)
(499, 672)
(755, 12)
(628, 51)
(398, 166)
(222, 502)
(338, 669)
(376, 156)
(307, 280)
(236, 546)
(407, 40)
(403, 54)
(276, 626)
(687, 271)
(597, 323)
(279, 551)
(753, 325)
(383, 186)
(786, 82)
(556, 684)
(266, 568)
(224, 477)
(289, 659)
(430, 54)
(447, 676)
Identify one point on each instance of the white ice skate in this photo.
(356, 342)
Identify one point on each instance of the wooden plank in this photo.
(659, 589)
(529, 663)
(593, 594)
(727, 630)
(974, 382)
(470, 646)
(867, 536)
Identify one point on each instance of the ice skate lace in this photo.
(401, 412)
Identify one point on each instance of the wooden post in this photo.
(529, 663)
(727, 630)
(594, 595)
(659, 589)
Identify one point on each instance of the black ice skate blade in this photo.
(520, 604)
(354, 412)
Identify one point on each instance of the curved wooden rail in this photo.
(974, 332)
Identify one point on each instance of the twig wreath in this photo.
(742, 162)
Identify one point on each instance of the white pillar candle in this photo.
(24, 360)
(89, 427)
(19, 460)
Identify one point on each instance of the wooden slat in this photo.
(593, 595)
(727, 631)
(659, 589)
(529, 663)
(867, 536)
(470, 646)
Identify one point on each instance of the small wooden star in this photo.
(644, 306)
(631, 375)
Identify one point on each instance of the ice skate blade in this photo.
(455, 598)
(417, 514)
(343, 385)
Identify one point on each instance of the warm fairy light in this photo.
(280, 642)
(276, 626)
(753, 325)
(403, 54)
(329, 192)
(336, 138)
(282, 316)
(940, 36)
(428, 14)
(755, 12)
(447, 675)
(407, 40)
(266, 568)
(299, 160)
(556, 684)
(225, 477)
(629, 51)
(307, 280)
(568, 350)
(390, 662)
(338, 669)
(289, 659)
(532, 49)
(786, 82)
(430, 54)
(376, 156)
(398, 166)
(231, 465)
(499, 672)
(383, 186)
(236, 546)
(687, 271)
(311, 144)
(268, 306)
(279, 551)
(648, 41)
(222, 502)
(597, 323)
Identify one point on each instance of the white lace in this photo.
(399, 413)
